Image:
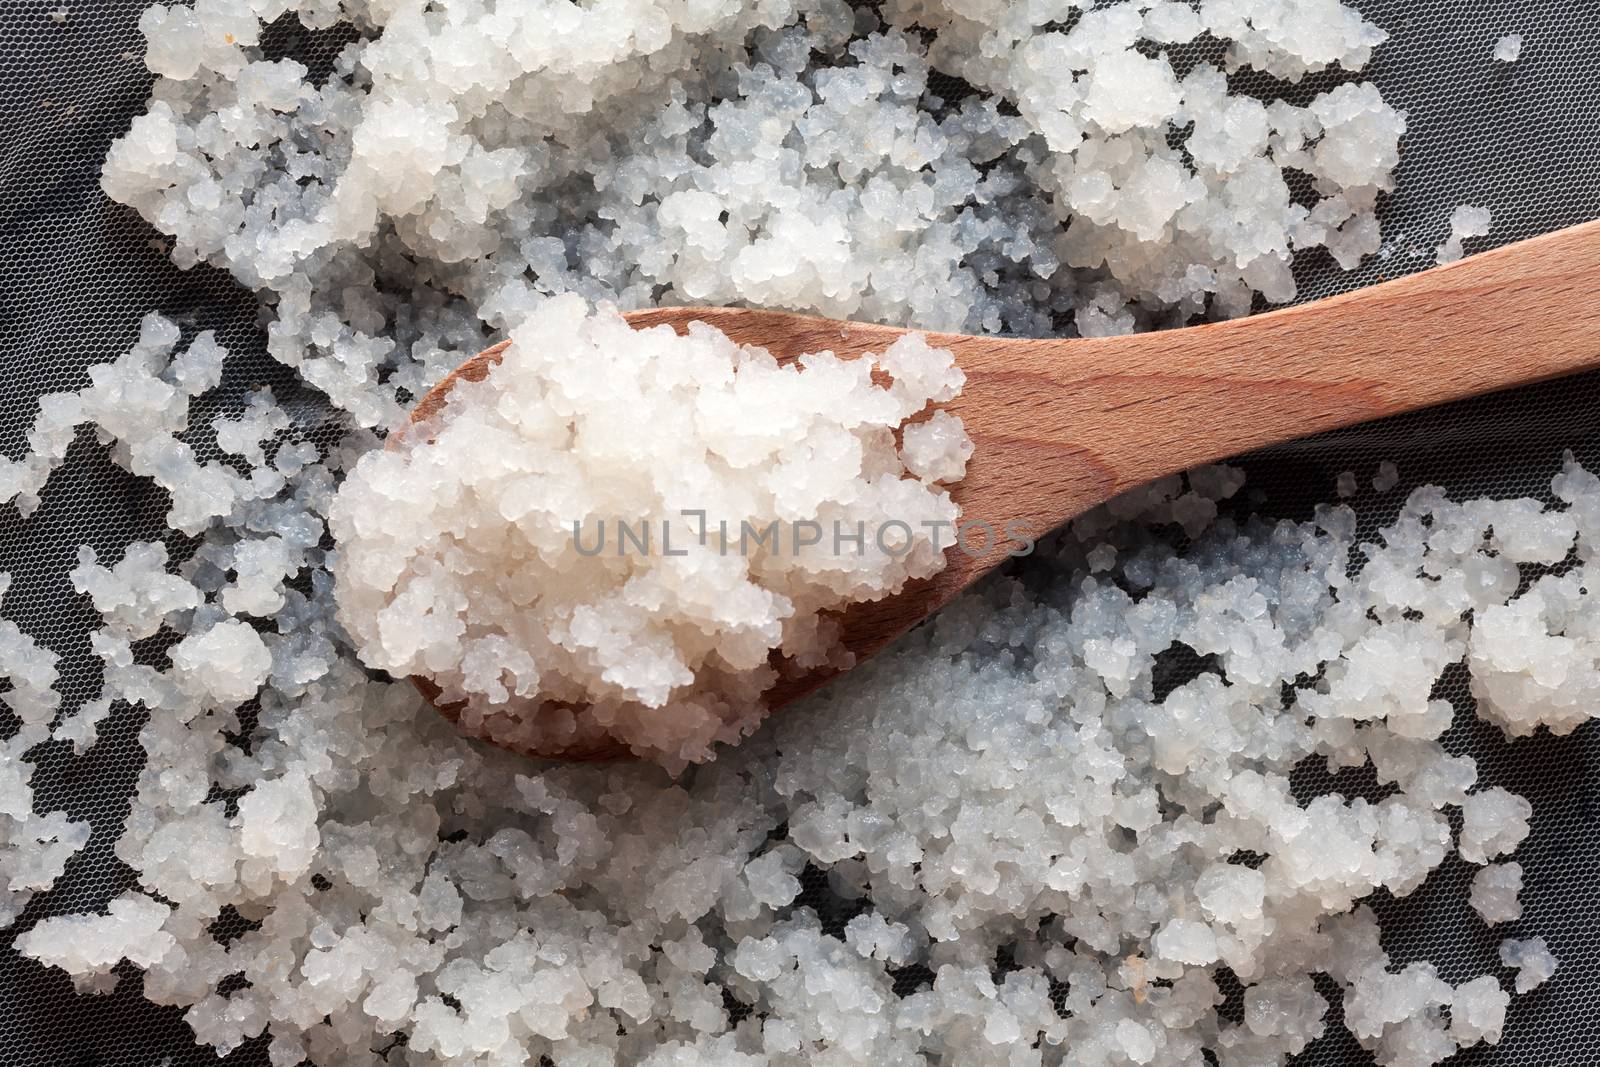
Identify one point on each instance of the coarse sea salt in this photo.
(1494, 893)
(465, 161)
(1466, 222)
(392, 862)
(630, 523)
(1534, 962)
(1004, 785)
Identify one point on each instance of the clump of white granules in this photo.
(465, 159)
(34, 848)
(1494, 893)
(635, 521)
(1466, 222)
(1006, 782)
(1534, 963)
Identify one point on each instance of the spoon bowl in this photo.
(1062, 425)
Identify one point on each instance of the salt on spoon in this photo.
(1061, 425)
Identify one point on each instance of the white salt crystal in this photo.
(771, 883)
(226, 663)
(1532, 959)
(1478, 1011)
(937, 449)
(1135, 1041)
(1230, 893)
(1186, 941)
(136, 594)
(82, 726)
(1508, 49)
(84, 945)
(1287, 1007)
(1493, 823)
(1465, 222)
(31, 669)
(870, 934)
(198, 368)
(278, 824)
(1531, 667)
(1494, 893)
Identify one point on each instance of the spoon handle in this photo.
(1164, 402)
(1063, 424)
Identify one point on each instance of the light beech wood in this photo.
(1063, 425)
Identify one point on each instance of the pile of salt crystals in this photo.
(34, 848)
(464, 159)
(1004, 786)
(1005, 783)
(612, 533)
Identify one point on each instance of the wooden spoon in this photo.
(1063, 425)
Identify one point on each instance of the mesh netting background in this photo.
(78, 272)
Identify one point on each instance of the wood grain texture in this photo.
(1063, 425)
